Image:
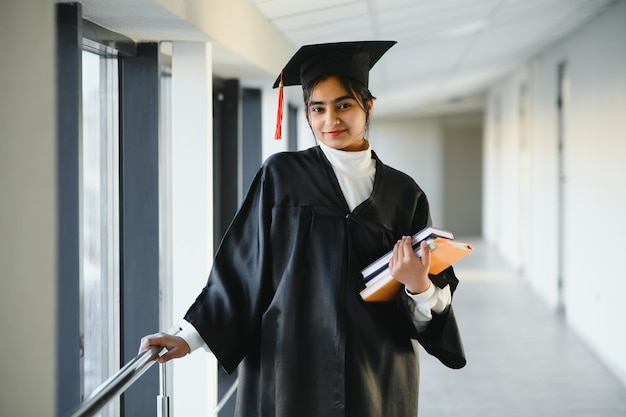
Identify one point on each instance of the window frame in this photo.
(139, 230)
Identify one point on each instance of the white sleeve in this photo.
(423, 304)
(191, 336)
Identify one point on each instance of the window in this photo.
(99, 222)
(108, 211)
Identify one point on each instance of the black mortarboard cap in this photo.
(350, 59)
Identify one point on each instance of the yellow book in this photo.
(382, 290)
(446, 253)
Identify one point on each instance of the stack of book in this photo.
(380, 286)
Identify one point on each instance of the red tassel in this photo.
(279, 113)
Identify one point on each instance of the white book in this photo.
(380, 264)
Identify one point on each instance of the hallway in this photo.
(522, 359)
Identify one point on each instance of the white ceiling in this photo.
(447, 51)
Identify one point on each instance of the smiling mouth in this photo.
(335, 132)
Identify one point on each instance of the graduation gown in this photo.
(282, 298)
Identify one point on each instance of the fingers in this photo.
(409, 269)
(177, 351)
(396, 258)
(176, 346)
(146, 342)
(404, 248)
(402, 251)
(425, 249)
(156, 339)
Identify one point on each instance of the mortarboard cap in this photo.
(349, 59)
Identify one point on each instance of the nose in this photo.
(331, 118)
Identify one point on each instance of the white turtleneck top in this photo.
(355, 173)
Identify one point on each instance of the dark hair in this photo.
(360, 92)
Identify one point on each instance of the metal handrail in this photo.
(118, 383)
(126, 376)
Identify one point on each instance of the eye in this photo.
(317, 109)
(344, 105)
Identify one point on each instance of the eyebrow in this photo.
(337, 100)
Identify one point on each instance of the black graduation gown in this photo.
(283, 298)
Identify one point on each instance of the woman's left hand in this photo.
(407, 268)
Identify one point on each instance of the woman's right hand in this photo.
(176, 346)
(407, 268)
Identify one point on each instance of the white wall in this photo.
(596, 186)
(414, 147)
(418, 148)
(462, 173)
(594, 158)
(27, 209)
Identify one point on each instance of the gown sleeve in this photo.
(228, 311)
(423, 305)
(441, 337)
(190, 335)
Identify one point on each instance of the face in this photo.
(336, 117)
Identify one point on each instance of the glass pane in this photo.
(99, 224)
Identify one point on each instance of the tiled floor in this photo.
(522, 359)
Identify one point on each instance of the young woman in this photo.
(282, 300)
